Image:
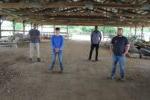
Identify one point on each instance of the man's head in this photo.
(57, 30)
(96, 28)
(34, 26)
(120, 31)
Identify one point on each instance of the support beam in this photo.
(24, 26)
(142, 34)
(54, 29)
(14, 26)
(0, 30)
(66, 4)
(135, 30)
(41, 28)
(31, 24)
(89, 23)
(130, 31)
(1, 26)
(37, 26)
(67, 32)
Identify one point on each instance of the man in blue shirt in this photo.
(57, 44)
(34, 43)
(119, 48)
(95, 41)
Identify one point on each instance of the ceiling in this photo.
(78, 12)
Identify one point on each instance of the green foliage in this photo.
(108, 31)
(19, 26)
(87, 28)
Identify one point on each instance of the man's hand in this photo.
(125, 53)
(56, 49)
(111, 49)
(111, 52)
(127, 49)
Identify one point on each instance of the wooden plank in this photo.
(90, 22)
(66, 4)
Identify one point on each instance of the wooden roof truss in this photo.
(78, 12)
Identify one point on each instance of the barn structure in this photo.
(133, 13)
(82, 79)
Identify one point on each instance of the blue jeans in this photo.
(121, 61)
(60, 57)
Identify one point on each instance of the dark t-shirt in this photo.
(34, 36)
(119, 45)
(95, 37)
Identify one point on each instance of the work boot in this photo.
(96, 60)
(50, 67)
(30, 59)
(38, 60)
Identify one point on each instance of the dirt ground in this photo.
(81, 80)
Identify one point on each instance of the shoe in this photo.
(61, 66)
(50, 70)
(38, 60)
(96, 60)
(30, 59)
(50, 67)
(122, 79)
(61, 71)
(112, 77)
(89, 59)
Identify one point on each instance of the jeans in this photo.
(121, 61)
(60, 58)
(34, 48)
(96, 46)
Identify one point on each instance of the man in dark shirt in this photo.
(95, 41)
(119, 47)
(34, 43)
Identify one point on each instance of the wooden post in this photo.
(135, 30)
(54, 29)
(37, 26)
(24, 27)
(103, 31)
(67, 32)
(14, 29)
(1, 26)
(142, 34)
(0, 29)
(41, 28)
(31, 25)
(130, 31)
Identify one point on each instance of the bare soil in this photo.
(21, 79)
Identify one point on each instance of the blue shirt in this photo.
(57, 41)
(119, 45)
(95, 37)
(34, 36)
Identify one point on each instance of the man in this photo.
(34, 43)
(57, 44)
(95, 41)
(119, 47)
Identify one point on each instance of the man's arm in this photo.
(52, 43)
(127, 47)
(100, 36)
(91, 36)
(111, 46)
(62, 44)
(39, 36)
(29, 35)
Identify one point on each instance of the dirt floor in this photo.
(81, 80)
